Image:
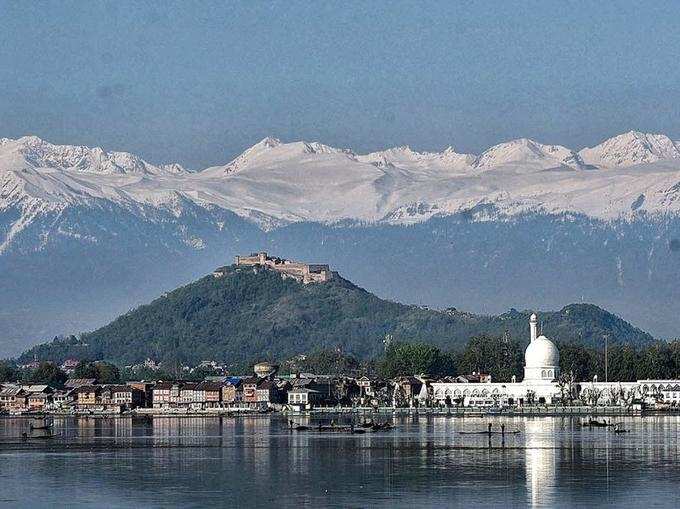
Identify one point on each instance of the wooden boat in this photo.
(594, 423)
(506, 432)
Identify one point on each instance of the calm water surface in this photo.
(256, 461)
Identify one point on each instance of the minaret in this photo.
(533, 323)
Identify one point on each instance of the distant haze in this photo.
(196, 83)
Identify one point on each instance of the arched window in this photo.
(543, 374)
(550, 373)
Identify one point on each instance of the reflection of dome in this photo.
(541, 353)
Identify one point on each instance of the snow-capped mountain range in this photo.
(276, 183)
(86, 234)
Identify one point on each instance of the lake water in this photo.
(255, 461)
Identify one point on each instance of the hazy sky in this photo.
(199, 82)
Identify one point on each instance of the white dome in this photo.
(541, 353)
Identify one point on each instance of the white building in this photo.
(541, 384)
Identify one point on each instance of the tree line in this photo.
(503, 357)
(500, 356)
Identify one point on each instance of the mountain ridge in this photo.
(246, 314)
(79, 245)
(274, 183)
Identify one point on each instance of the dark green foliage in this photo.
(496, 355)
(8, 373)
(47, 373)
(584, 362)
(200, 373)
(625, 363)
(249, 315)
(145, 373)
(104, 372)
(415, 359)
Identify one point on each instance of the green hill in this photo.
(247, 315)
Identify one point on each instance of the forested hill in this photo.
(249, 315)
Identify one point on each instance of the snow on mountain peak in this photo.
(270, 150)
(275, 183)
(451, 156)
(269, 142)
(526, 152)
(631, 148)
(38, 153)
(405, 157)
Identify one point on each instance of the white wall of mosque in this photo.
(541, 385)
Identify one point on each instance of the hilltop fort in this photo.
(303, 272)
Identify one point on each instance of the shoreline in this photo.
(469, 412)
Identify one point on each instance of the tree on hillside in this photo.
(583, 362)
(623, 363)
(47, 373)
(200, 373)
(8, 373)
(656, 362)
(144, 373)
(499, 356)
(414, 359)
(104, 372)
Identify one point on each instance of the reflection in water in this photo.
(540, 462)
(425, 462)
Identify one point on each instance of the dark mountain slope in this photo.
(250, 314)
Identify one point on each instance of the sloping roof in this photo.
(37, 388)
(86, 389)
(234, 380)
(119, 388)
(8, 391)
(265, 384)
(77, 382)
(207, 385)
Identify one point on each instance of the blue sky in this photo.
(198, 82)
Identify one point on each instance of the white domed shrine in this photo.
(541, 358)
(541, 386)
